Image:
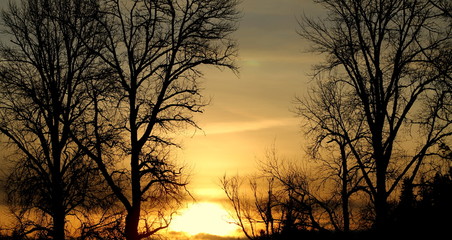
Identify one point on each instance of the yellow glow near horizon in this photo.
(209, 218)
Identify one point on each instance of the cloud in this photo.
(243, 126)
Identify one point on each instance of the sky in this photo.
(252, 111)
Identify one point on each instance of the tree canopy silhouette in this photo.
(387, 56)
(103, 86)
(155, 49)
(44, 72)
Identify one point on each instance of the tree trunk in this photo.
(344, 192)
(381, 165)
(58, 209)
(132, 220)
(133, 214)
(58, 224)
(381, 209)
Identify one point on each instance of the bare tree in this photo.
(384, 52)
(155, 48)
(307, 204)
(256, 204)
(333, 121)
(280, 202)
(43, 71)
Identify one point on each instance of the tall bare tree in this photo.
(155, 48)
(385, 53)
(43, 71)
(333, 121)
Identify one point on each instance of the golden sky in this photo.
(250, 112)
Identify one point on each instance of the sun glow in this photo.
(206, 218)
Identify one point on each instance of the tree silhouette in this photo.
(279, 202)
(43, 71)
(155, 49)
(423, 208)
(385, 53)
(333, 121)
(306, 199)
(255, 211)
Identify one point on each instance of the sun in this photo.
(204, 217)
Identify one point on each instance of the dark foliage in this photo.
(428, 211)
